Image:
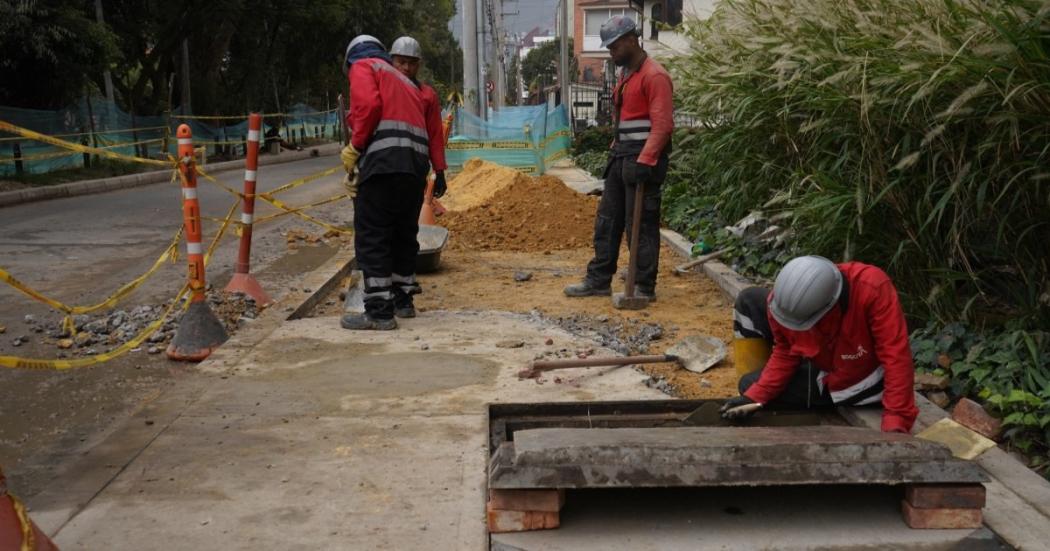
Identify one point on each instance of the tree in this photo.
(542, 64)
(51, 52)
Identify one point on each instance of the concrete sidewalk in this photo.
(332, 439)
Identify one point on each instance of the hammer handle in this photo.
(591, 362)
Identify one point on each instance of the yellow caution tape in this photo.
(8, 127)
(297, 211)
(245, 117)
(98, 133)
(302, 208)
(29, 363)
(168, 254)
(42, 156)
(212, 179)
(304, 180)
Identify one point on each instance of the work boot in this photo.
(648, 294)
(364, 321)
(585, 289)
(403, 306)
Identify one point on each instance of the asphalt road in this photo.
(81, 249)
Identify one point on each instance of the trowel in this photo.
(697, 353)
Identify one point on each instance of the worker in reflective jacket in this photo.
(644, 119)
(407, 56)
(386, 163)
(828, 335)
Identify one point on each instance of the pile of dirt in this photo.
(478, 183)
(531, 214)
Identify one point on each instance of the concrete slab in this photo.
(798, 518)
(576, 178)
(333, 439)
(721, 456)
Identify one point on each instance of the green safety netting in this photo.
(528, 138)
(99, 123)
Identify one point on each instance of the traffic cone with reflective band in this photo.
(199, 332)
(17, 531)
(243, 281)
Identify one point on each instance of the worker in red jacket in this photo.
(639, 155)
(387, 161)
(407, 56)
(838, 338)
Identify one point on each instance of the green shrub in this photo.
(594, 138)
(912, 135)
(1009, 370)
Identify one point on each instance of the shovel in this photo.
(696, 353)
(687, 267)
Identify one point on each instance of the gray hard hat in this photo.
(805, 289)
(359, 39)
(406, 46)
(615, 27)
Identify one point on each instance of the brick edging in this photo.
(102, 185)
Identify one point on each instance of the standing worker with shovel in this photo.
(644, 119)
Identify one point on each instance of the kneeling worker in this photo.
(838, 338)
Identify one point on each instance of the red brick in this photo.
(521, 521)
(971, 415)
(548, 501)
(940, 519)
(945, 496)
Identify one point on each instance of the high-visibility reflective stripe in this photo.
(387, 143)
(385, 295)
(638, 123)
(189, 193)
(194, 248)
(253, 135)
(247, 218)
(745, 325)
(846, 393)
(249, 175)
(634, 136)
(390, 69)
(401, 125)
(185, 141)
(396, 278)
(373, 282)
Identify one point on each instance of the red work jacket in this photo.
(436, 131)
(855, 345)
(645, 113)
(387, 121)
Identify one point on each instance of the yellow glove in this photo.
(349, 156)
(350, 182)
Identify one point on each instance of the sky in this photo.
(531, 13)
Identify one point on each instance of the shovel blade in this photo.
(698, 353)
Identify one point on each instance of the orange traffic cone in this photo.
(426, 213)
(17, 531)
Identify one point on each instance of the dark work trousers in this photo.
(386, 221)
(750, 321)
(615, 212)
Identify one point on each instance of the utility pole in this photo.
(500, 58)
(187, 106)
(563, 63)
(471, 95)
(483, 64)
(106, 76)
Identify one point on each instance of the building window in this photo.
(672, 12)
(655, 20)
(592, 25)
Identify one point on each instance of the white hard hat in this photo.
(406, 46)
(805, 289)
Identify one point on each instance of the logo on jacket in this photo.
(860, 353)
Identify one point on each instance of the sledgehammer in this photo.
(627, 300)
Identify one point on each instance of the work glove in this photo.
(349, 156)
(350, 182)
(740, 407)
(644, 173)
(440, 187)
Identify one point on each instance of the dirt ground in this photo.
(516, 241)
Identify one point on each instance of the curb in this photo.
(87, 187)
(1018, 508)
(72, 491)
